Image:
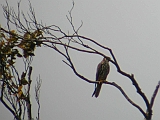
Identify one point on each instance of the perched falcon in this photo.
(101, 75)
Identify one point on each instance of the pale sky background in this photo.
(130, 27)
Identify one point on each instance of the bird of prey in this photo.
(101, 75)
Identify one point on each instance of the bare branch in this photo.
(154, 94)
(127, 98)
(37, 95)
(28, 102)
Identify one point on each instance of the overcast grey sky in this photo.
(130, 27)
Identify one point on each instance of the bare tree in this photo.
(27, 36)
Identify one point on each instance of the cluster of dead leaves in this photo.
(12, 46)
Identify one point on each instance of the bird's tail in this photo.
(97, 90)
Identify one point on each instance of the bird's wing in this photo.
(98, 71)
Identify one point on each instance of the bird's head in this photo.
(106, 59)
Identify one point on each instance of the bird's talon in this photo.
(101, 81)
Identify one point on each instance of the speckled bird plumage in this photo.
(101, 75)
